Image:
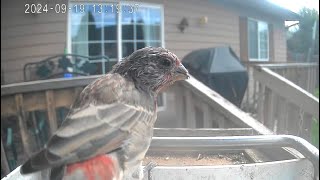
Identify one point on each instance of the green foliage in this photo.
(300, 41)
(315, 127)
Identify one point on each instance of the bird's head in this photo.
(152, 69)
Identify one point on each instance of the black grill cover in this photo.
(220, 69)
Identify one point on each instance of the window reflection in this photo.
(96, 34)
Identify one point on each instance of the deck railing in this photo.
(30, 112)
(33, 110)
(305, 75)
(281, 97)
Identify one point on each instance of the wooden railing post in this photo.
(4, 161)
(52, 116)
(283, 116)
(23, 125)
(191, 121)
(261, 98)
(296, 106)
(207, 121)
(269, 108)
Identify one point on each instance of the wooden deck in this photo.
(281, 97)
(31, 111)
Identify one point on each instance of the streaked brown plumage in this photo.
(114, 115)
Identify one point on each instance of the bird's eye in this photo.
(165, 62)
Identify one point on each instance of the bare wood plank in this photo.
(309, 81)
(8, 106)
(41, 85)
(313, 79)
(255, 93)
(261, 99)
(206, 115)
(65, 97)
(269, 113)
(179, 106)
(288, 65)
(283, 116)
(35, 125)
(307, 126)
(217, 102)
(191, 121)
(34, 101)
(22, 125)
(203, 132)
(293, 119)
(276, 113)
(217, 120)
(4, 161)
(288, 89)
(52, 116)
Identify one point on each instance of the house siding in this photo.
(222, 28)
(30, 38)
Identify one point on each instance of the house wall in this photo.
(30, 38)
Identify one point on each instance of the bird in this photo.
(109, 127)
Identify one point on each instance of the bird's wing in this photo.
(99, 123)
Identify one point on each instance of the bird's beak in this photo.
(181, 73)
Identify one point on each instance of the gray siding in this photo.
(30, 38)
(222, 28)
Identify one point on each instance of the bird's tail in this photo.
(36, 163)
(99, 167)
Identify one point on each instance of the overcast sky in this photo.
(296, 5)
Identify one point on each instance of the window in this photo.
(258, 40)
(107, 32)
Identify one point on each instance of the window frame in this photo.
(119, 39)
(268, 41)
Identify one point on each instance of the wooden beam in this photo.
(269, 113)
(51, 109)
(287, 89)
(220, 104)
(22, 125)
(65, 97)
(207, 121)
(8, 106)
(261, 104)
(4, 161)
(191, 120)
(34, 101)
(283, 116)
(202, 132)
(42, 85)
(179, 105)
(288, 65)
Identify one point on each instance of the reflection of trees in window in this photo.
(95, 34)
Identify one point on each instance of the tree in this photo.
(300, 40)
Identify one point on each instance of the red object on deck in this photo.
(100, 167)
